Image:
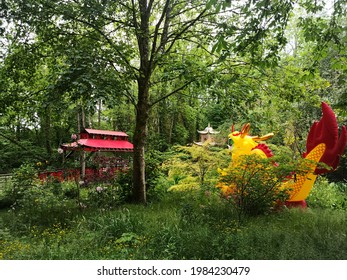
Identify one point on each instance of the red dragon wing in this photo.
(326, 131)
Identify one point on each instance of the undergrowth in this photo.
(173, 229)
(54, 221)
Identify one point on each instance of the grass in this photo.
(296, 234)
(177, 228)
(56, 221)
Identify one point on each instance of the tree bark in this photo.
(142, 106)
(140, 136)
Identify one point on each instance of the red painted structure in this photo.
(91, 174)
(95, 140)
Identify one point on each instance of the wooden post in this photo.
(83, 165)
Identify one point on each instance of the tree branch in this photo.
(188, 25)
(171, 93)
(156, 33)
(108, 40)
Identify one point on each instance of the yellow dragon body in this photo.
(323, 145)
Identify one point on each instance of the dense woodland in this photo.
(161, 70)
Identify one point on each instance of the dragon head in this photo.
(243, 144)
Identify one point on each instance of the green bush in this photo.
(70, 190)
(37, 202)
(104, 196)
(5, 201)
(123, 182)
(24, 177)
(253, 187)
(193, 167)
(156, 181)
(39, 205)
(6, 197)
(328, 195)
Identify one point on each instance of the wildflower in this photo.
(99, 189)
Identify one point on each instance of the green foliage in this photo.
(6, 199)
(292, 234)
(70, 190)
(156, 183)
(195, 166)
(24, 178)
(253, 39)
(328, 195)
(35, 202)
(172, 229)
(254, 185)
(123, 183)
(13, 155)
(42, 205)
(104, 196)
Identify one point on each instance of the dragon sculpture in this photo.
(323, 145)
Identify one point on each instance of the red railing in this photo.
(91, 174)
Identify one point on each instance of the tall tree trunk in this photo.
(140, 136)
(142, 108)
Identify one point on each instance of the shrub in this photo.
(23, 179)
(123, 183)
(328, 195)
(155, 178)
(70, 190)
(193, 167)
(35, 202)
(39, 205)
(6, 197)
(104, 196)
(254, 186)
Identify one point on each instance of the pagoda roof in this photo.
(208, 130)
(104, 132)
(100, 145)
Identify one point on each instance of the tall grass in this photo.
(179, 230)
(295, 234)
(198, 224)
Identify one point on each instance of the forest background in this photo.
(161, 70)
